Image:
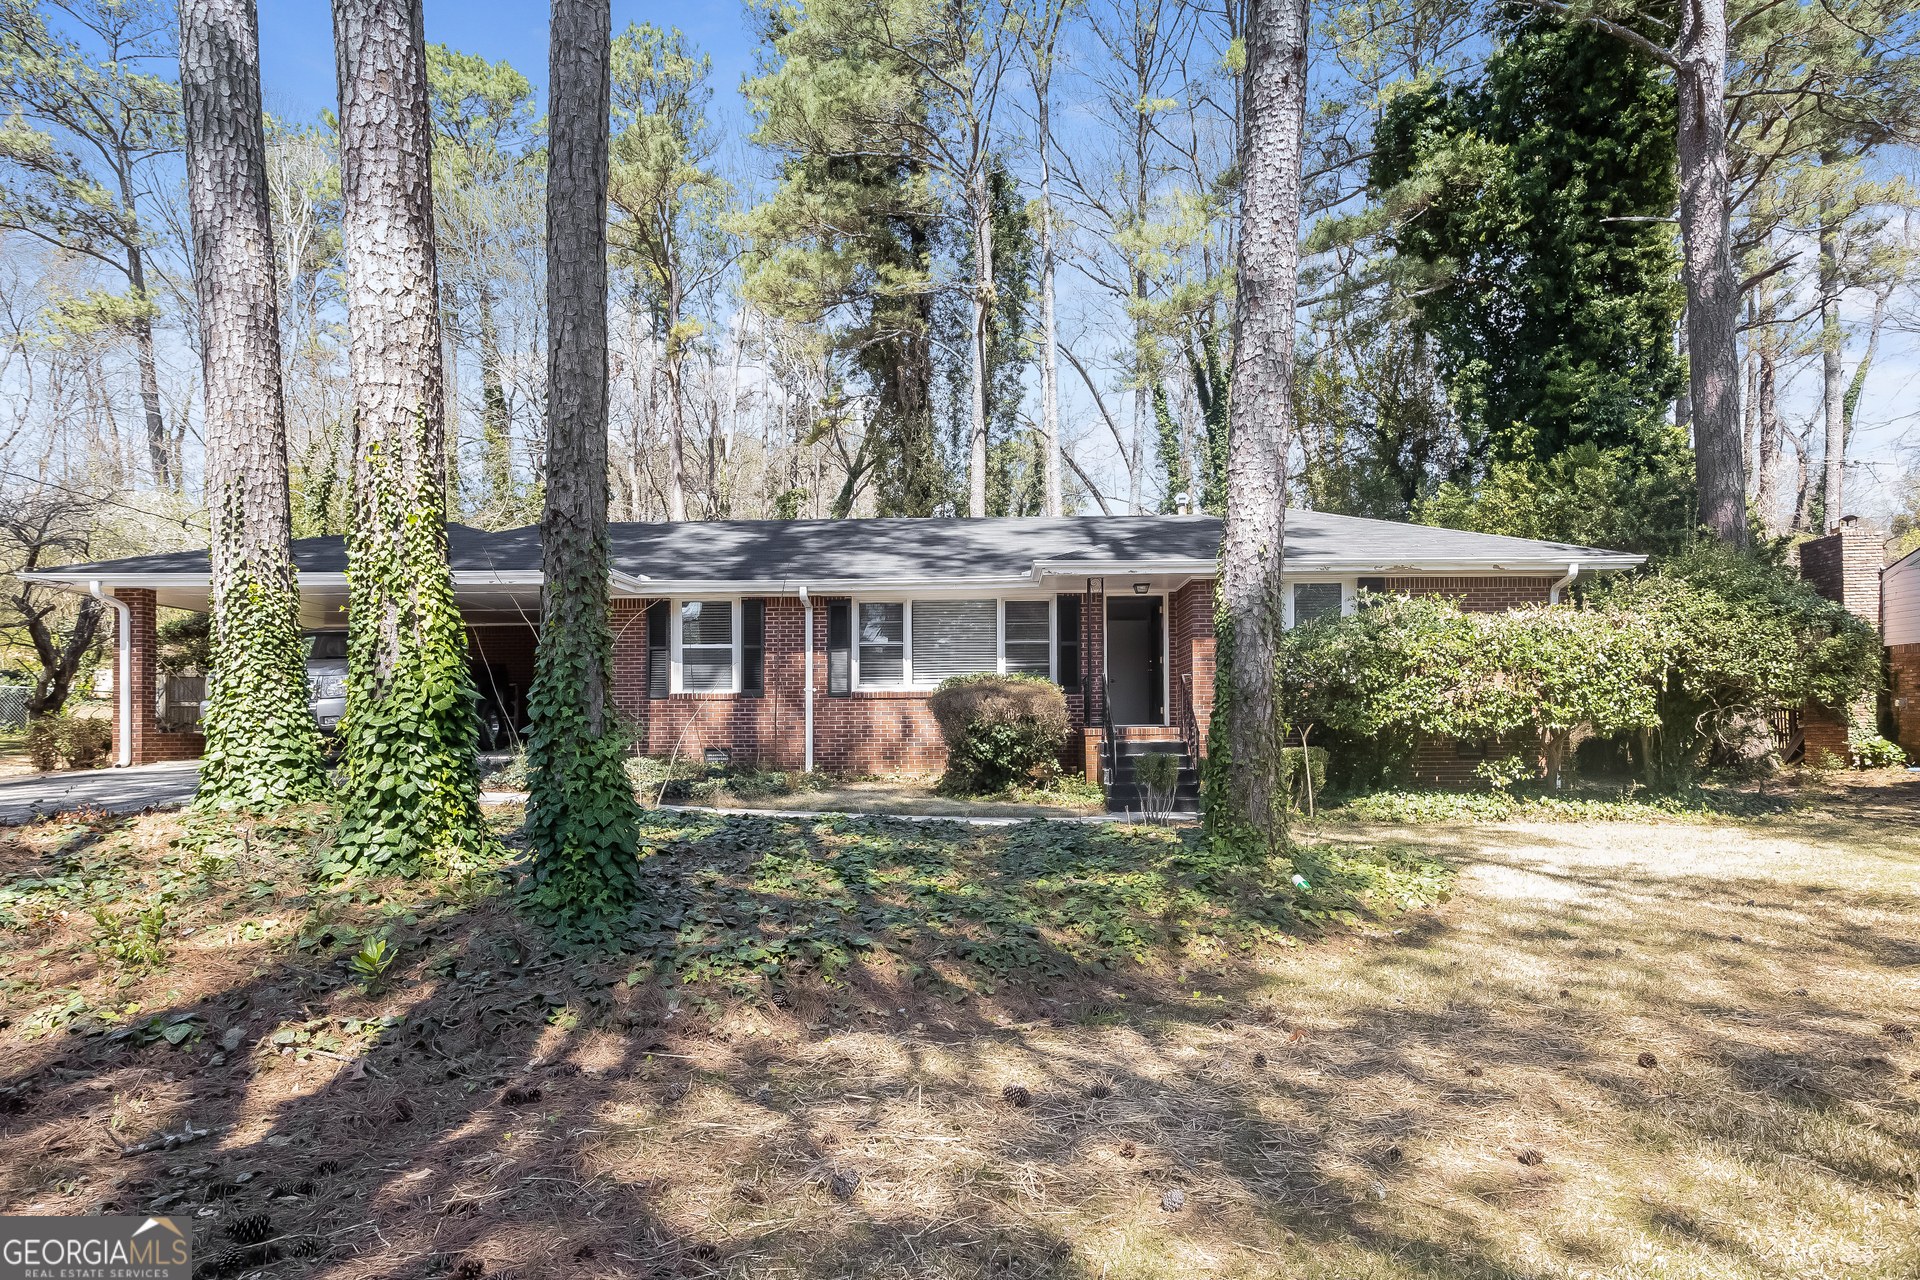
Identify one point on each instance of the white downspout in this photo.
(1553, 592)
(807, 603)
(123, 636)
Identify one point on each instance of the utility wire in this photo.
(81, 493)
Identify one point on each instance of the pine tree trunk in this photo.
(262, 747)
(982, 301)
(157, 455)
(1262, 421)
(1833, 380)
(410, 721)
(1766, 493)
(582, 819)
(1050, 359)
(1713, 294)
(496, 435)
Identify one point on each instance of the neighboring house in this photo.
(1900, 629)
(815, 643)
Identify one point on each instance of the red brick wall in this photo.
(1903, 661)
(1845, 566)
(770, 729)
(1479, 595)
(1191, 646)
(879, 731)
(1444, 762)
(150, 744)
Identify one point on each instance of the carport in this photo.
(496, 578)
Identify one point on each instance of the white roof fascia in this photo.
(1117, 568)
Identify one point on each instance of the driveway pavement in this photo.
(115, 790)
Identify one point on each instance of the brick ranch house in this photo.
(815, 643)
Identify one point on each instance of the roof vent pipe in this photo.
(123, 641)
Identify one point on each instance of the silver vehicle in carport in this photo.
(327, 677)
(327, 691)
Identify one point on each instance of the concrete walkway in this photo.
(115, 790)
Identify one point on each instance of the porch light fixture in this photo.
(1140, 588)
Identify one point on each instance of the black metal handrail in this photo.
(1108, 750)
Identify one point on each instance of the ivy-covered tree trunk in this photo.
(581, 818)
(1246, 802)
(262, 746)
(412, 788)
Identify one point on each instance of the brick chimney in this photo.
(1845, 566)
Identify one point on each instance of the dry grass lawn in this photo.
(1621, 1050)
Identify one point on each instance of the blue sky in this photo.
(296, 44)
(297, 69)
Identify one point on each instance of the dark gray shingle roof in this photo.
(892, 550)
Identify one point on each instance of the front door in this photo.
(1133, 659)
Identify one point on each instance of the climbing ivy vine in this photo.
(262, 748)
(582, 819)
(411, 783)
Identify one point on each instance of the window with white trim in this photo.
(706, 638)
(1029, 637)
(1306, 601)
(915, 644)
(883, 644)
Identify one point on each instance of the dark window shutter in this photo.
(1067, 628)
(658, 655)
(840, 649)
(1377, 585)
(753, 648)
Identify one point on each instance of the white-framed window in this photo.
(1028, 637)
(1305, 601)
(915, 644)
(881, 661)
(706, 646)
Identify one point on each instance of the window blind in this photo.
(883, 629)
(1315, 600)
(706, 646)
(1029, 639)
(953, 638)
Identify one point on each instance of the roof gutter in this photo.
(1553, 592)
(123, 641)
(806, 603)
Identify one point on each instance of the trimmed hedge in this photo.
(1001, 731)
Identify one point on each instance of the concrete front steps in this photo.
(1123, 793)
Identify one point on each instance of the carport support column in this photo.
(143, 614)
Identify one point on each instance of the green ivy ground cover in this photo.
(1691, 805)
(741, 900)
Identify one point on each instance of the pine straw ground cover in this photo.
(1444, 1090)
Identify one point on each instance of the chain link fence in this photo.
(13, 705)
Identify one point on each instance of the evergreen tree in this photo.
(1547, 182)
(86, 191)
(667, 201)
(486, 150)
(852, 233)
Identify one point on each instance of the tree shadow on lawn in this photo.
(1403, 1078)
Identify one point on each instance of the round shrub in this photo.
(1000, 730)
